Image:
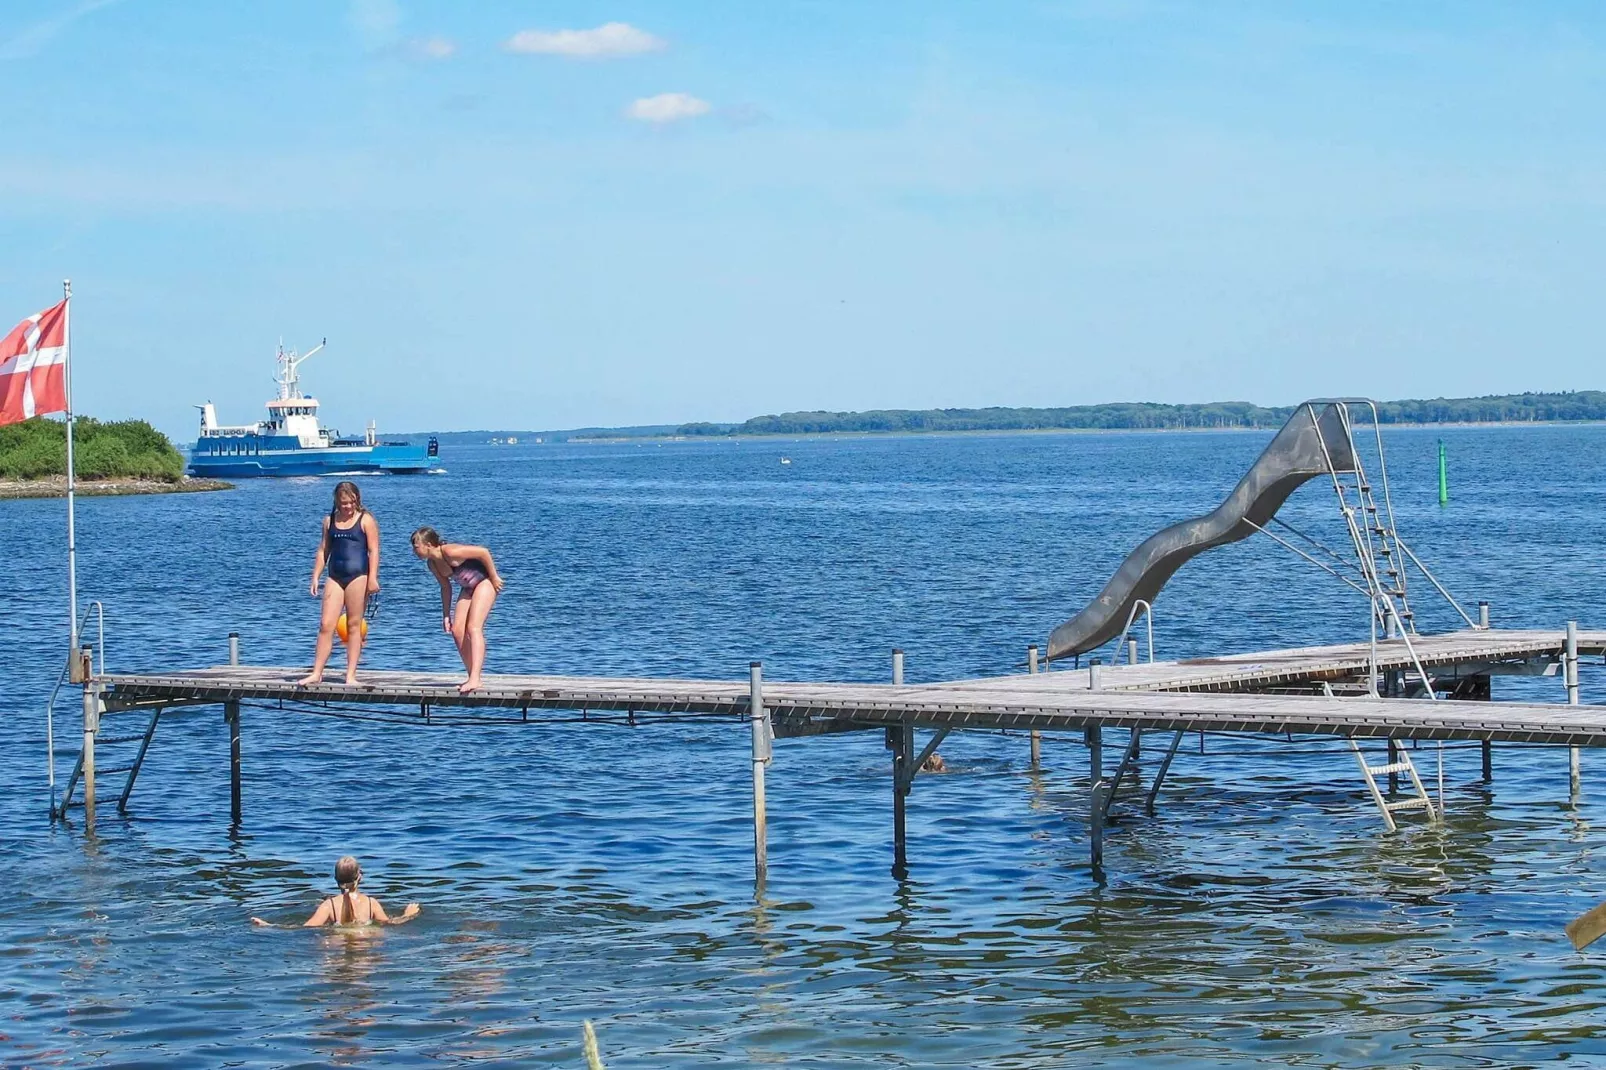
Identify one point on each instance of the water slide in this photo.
(1293, 457)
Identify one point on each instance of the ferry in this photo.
(291, 441)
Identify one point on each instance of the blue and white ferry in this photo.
(291, 441)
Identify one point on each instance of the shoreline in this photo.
(56, 487)
(775, 435)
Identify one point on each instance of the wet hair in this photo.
(347, 485)
(347, 872)
(427, 535)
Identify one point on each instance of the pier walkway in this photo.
(1322, 691)
(1202, 695)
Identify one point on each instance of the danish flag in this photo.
(33, 366)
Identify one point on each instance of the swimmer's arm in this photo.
(370, 527)
(412, 911)
(320, 557)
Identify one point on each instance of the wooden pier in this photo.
(1321, 691)
(1398, 686)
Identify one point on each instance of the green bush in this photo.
(126, 449)
(103, 457)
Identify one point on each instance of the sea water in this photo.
(604, 872)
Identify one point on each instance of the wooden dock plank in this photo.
(1042, 702)
(1259, 669)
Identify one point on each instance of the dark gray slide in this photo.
(1292, 458)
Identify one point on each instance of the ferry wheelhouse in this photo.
(292, 442)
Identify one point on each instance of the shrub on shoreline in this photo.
(124, 449)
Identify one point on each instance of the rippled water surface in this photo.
(604, 872)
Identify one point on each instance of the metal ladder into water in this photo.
(137, 735)
(1380, 557)
(1401, 763)
(129, 766)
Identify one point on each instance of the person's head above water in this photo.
(347, 873)
(353, 497)
(426, 539)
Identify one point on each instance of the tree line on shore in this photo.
(125, 449)
(1498, 408)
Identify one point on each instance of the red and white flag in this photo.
(33, 366)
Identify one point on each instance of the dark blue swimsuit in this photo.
(348, 551)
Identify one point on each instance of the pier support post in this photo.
(1037, 737)
(901, 742)
(1488, 762)
(91, 726)
(1571, 670)
(1394, 778)
(1159, 774)
(234, 648)
(1483, 615)
(231, 714)
(760, 719)
(901, 738)
(1095, 827)
(1095, 754)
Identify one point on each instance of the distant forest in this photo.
(1502, 408)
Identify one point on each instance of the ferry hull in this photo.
(249, 461)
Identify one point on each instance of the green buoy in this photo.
(1444, 476)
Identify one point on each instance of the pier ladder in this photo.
(127, 765)
(1399, 762)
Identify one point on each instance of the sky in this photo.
(530, 215)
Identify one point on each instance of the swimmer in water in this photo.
(350, 547)
(478, 584)
(351, 907)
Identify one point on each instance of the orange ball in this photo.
(342, 628)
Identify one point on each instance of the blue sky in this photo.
(713, 210)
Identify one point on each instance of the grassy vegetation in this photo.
(1502, 408)
(126, 449)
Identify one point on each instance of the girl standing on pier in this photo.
(350, 547)
(478, 584)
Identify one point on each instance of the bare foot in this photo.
(471, 684)
(310, 678)
(351, 679)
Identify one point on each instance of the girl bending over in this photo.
(350, 547)
(478, 583)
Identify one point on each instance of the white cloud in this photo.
(668, 108)
(607, 41)
(431, 48)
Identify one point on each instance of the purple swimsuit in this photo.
(468, 576)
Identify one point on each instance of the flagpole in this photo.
(72, 536)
